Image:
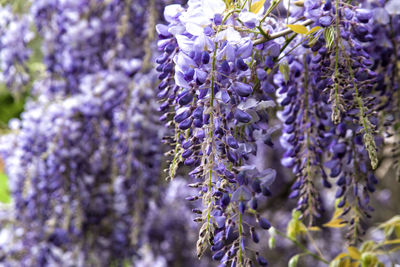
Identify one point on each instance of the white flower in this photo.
(393, 7)
(381, 16)
(229, 35)
(248, 18)
(194, 19)
(212, 7)
(184, 43)
(171, 12)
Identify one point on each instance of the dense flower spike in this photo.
(90, 158)
(208, 95)
(88, 147)
(339, 76)
(304, 132)
(15, 36)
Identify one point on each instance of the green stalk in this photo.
(302, 247)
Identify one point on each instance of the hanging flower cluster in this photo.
(85, 156)
(15, 36)
(223, 66)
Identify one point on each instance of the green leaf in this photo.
(397, 231)
(390, 242)
(389, 230)
(354, 253)
(345, 263)
(272, 242)
(298, 28)
(295, 226)
(294, 260)
(334, 263)
(314, 228)
(335, 223)
(368, 259)
(256, 7)
(394, 221)
(228, 3)
(316, 28)
(296, 214)
(397, 126)
(4, 191)
(340, 256)
(367, 246)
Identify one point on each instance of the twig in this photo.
(264, 39)
(302, 247)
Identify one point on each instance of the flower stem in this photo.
(302, 247)
(264, 39)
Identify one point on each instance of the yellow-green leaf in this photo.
(334, 263)
(295, 213)
(368, 259)
(397, 230)
(256, 7)
(393, 221)
(293, 261)
(312, 41)
(390, 242)
(341, 255)
(272, 242)
(228, 3)
(354, 253)
(316, 28)
(345, 263)
(4, 190)
(389, 230)
(335, 223)
(367, 246)
(314, 228)
(292, 230)
(298, 28)
(339, 211)
(393, 249)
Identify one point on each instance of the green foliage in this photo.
(18, 6)
(294, 261)
(12, 103)
(391, 227)
(10, 106)
(295, 226)
(4, 191)
(298, 28)
(272, 239)
(256, 6)
(367, 255)
(337, 221)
